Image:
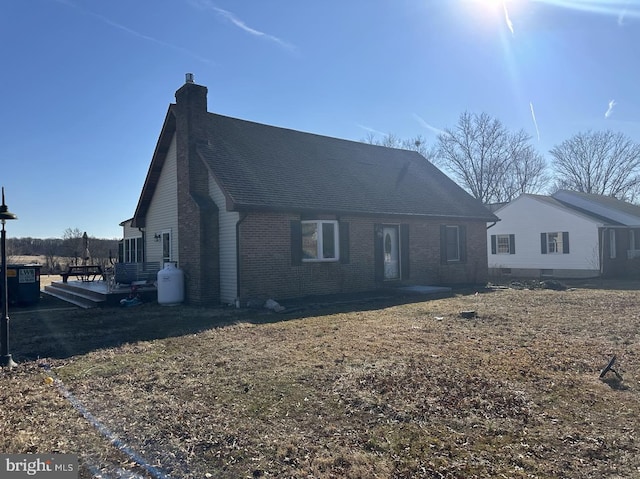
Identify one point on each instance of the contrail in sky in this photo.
(533, 116)
(208, 4)
(507, 18)
(135, 33)
(429, 127)
(370, 130)
(609, 111)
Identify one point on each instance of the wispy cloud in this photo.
(535, 122)
(621, 16)
(133, 32)
(231, 17)
(609, 111)
(617, 8)
(428, 126)
(507, 19)
(371, 130)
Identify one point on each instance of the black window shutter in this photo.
(443, 244)
(565, 242)
(543, 243)
(404, 251)
(121, 251)
(493, 244)
(512, 244)
(462, 243)
(296, 243)
(378, 253)
(343, 231)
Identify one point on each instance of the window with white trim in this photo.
(554, 243)
(452, 243)
(133, 250)
(166, 246)
(320, 240)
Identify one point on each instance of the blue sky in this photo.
(86, 83)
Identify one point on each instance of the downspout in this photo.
(492, 225)
(242, 218)
(602, 252)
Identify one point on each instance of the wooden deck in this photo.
(94, 294)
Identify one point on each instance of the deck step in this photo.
(80, 298)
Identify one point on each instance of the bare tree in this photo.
(72, 239)
(603, 163)
(491, 163)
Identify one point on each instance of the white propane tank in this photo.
(170, 285)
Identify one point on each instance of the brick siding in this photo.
(266, 269)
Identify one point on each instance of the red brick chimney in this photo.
(197, 213)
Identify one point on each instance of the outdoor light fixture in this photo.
(157, 237)
(5, 357)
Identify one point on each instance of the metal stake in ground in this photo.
(5, 357)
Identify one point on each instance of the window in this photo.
(132, 250)
(612, 244)
(166, 247)
(503, 244)
(452, 244)
(554, 243)
(320, 240)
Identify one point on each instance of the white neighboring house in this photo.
(565, 235)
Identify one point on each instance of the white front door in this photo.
(391, 252)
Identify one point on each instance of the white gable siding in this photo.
(130, 232)
(228, 257)
(526, 217)
(162, 215)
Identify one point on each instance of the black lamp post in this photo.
(5, 357)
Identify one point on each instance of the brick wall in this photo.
(197, 213)
(266, 269)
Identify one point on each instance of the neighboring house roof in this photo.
(603, 209)
(610, 209)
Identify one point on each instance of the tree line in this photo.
(496, 165)
(58, 253)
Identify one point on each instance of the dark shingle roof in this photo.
(265, 167)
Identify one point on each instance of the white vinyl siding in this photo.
(162, 216)
(527, 217)
(228, 256)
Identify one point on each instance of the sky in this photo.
(86, 84)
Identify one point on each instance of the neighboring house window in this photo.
(453, 243)
(503, 244)
(320, 240)
(554, 243)
(612, 244)
(133, 250)
(166, 246)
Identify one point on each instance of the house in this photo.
(249, 210)
(565, 235)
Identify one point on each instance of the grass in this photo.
(369, 389)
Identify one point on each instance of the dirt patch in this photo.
(365, 390)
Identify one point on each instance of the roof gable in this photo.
(155, 168)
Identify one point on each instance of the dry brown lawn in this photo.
(356, 390)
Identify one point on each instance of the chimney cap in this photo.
(189, 77)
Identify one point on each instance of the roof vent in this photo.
(189, 77)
